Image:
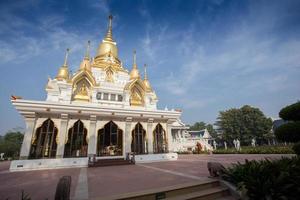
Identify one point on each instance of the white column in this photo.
(169, 136)
(62, 134)
(150, 135)
(92, 146)
(128, 134)
(25, 149)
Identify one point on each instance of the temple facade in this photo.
(101, 110)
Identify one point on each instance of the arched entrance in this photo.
(76, 145)
(44, 143)
(159, 143)
(139, 143)
(110, 141)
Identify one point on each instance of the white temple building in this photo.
(101, 110)
(184, 140)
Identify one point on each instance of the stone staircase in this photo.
(208, 190)
(110, 162)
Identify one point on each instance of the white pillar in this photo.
(25, 149)
(150, 135)
(169, 136)
(128, 134)
(62, 134)
(92, 146)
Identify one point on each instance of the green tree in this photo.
(243, 123)
(10, 143)
(290, 132)
(202, 125)
(198, 126)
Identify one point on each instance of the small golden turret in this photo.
(85, 63)
(63, 72)
(148, 87)
(134, 74)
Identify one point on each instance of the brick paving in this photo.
(113, 180)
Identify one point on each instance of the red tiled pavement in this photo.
(105, 181)
(37, 184)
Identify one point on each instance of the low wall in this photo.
(156, 157)
(40, 164)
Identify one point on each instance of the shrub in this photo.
(289, 132)
(296, 148)
(266, 179)
(257, 150)
(291, 112)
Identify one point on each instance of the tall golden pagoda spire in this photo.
(108, 44)
(146, 81)
(63, 72)
(87, 53)
(134, 74)
(109, 36)
(85, 63)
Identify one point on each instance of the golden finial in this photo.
(134, 72)
(109, 31)
(66, 57)
(87, 53)
(145, 72)
(63, 72)
(134, 59)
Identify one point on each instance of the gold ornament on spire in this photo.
(148, 87)
(134, 74)
(107, 53)
(108, 44)
(63, 72)
(85, 63)
(109, 36)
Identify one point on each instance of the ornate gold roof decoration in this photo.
(82, 94)
(134, 74)
(86, 63)
(63, 72)
(107, 53)
(148, 87)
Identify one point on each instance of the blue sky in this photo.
(202, 56)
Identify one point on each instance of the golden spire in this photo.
(108, 44)
(85, 63)
(87, 53)
(66, 57)
(134, 72)
(63, 72)
(109, 36)
(145, 72)
(146, 81)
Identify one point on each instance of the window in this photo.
(105, 96)
(98, 96)
(109, 140)
(44, 143)
(76, 145)
(112, 97)
(139, 143)
(120, 97)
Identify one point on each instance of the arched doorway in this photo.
(159, 143)
(139, 143)
(76, 145)
(44, 143)
(110, 141)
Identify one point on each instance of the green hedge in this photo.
(257, 150)
(289, 132)
(266, 179)
(291, 112)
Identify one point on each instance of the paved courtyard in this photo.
(90, 183)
